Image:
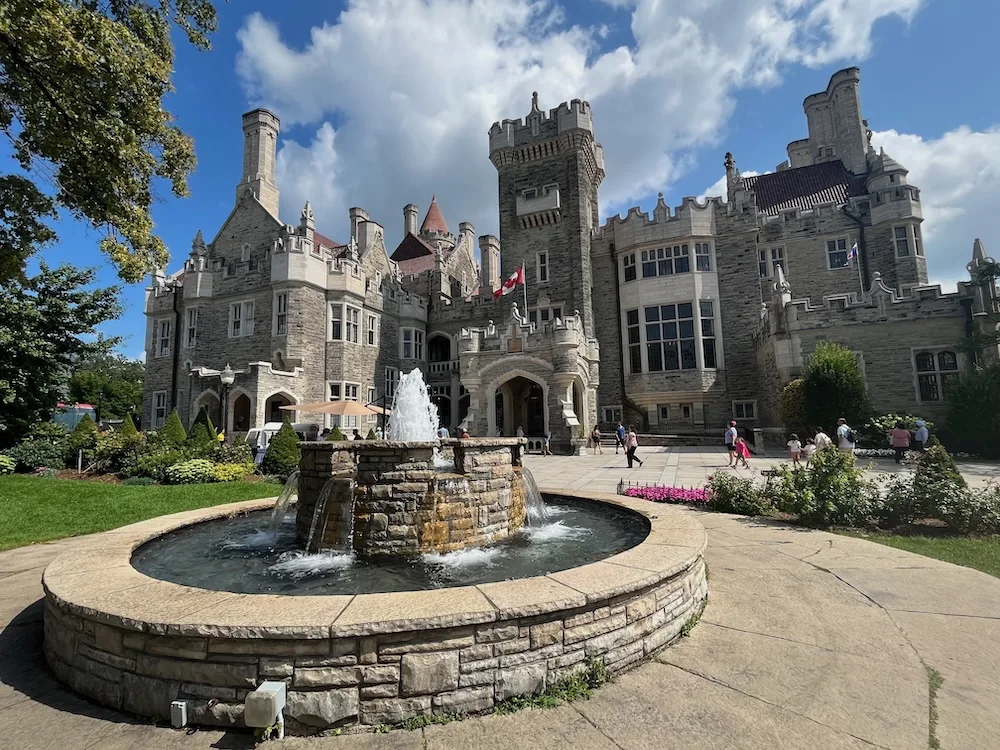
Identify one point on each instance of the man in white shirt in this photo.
(844, 434)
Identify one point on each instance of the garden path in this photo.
(809, 640)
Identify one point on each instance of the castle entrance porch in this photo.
(241, 414)
(272, 407)
(520, 402)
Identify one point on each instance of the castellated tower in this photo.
(549, 168)
(836, 130)
(260, 131)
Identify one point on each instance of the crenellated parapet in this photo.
(692, 218)
(575, 114)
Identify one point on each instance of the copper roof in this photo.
(805, 187)
(434, 220)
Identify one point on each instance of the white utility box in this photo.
(264, 705)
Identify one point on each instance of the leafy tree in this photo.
(172, 431)
(82, 438)
(82, 88)
(128, 427)
(791, 408)
(111, 380)
(44, 445)
(203, 432)
(834, 387)
(282, 457)
(973, 406)
(45, 321)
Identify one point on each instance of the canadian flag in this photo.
(508, 286)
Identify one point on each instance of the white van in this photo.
(258, 438)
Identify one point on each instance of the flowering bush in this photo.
(195, 471)
(875, 432)
(729, 493)
(233, 472)
(669, 494)
(7, 464)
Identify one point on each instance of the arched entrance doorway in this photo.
(578, 407)
(211, 404)
(242, 420)
(463, 406)
(520, 402)
(273, 411)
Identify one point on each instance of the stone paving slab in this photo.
(810, 640)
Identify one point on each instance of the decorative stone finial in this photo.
(198, 245)
(307, 214)
(781, 284)
(534, 102)
(729, 163)
(876, 277)
(868, 133)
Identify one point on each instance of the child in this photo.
(808, 449)
(595, 439)
(794, 449)
(742, 452)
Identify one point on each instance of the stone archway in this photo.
(521, 401)
(210, 402)
(241, 413)
(273, 411)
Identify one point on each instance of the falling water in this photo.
(535, 508)
(414, 417)
(290, 490)
(319, 512)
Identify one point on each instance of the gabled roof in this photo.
(413, 255)
(324, 241)
(434, 220)
(805, 187)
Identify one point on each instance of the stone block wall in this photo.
(367, 676)
(402, 506)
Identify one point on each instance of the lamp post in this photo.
(227, 376)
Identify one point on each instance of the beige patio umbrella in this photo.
(341, 408)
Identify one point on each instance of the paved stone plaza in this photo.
(809, 640)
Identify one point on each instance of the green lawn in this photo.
(36, 509)
(981, 553)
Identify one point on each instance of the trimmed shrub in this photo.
(896, 505)
(7, 464)
(832, 491)
(730, 493)
(82, 438)
(128, 427)
(155, 464)
(203, 433)
(113, 451)
(172, 431)
(232, 472)
(335, 434)
(973, 511)
(282, 457)
(936, 483)
(973, 405)
(195, 471)
(371, 434)
(792, 407)
(44, 446)
(237, 453)
(834, 387)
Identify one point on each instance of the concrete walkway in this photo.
(810, 640)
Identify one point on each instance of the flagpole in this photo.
(524, 276)
(857, 260)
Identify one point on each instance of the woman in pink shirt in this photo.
(899, 438)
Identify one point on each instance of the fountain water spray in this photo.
(290, 490)
(414, 416)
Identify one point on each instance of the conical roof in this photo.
(434, 220)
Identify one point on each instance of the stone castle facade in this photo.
(678, 321)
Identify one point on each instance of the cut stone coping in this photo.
(393, 445)
(644, 594)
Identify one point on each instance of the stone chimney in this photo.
(489, 263)
(260, 131)
(410, 219)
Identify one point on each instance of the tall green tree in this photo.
(47, 322)
(973, 408)
(834, 387)
(173, 430)
(82, 88)
(111, 380)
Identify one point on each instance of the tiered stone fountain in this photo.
(180, 608)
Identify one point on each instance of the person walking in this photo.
(808, 450)
(631, 443)
(619, 437)
(742, 452)
(845, 436)
(595, 437)
(922, 436)
(546, 450)
(794, 449)
(899, 439)
(731, 435)
(822, 440)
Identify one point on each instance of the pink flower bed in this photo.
(669, 494)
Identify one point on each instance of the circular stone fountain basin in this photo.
(137, 643)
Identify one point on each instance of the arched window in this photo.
(935, 370)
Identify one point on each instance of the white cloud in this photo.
(959, 179)
(413, 85)
(718, 188)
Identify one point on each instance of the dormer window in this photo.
(529, 194)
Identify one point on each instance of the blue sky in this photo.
(388, 101)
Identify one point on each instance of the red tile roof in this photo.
(324, 241)
(805, 187)
(413, 255)
(434, 220)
